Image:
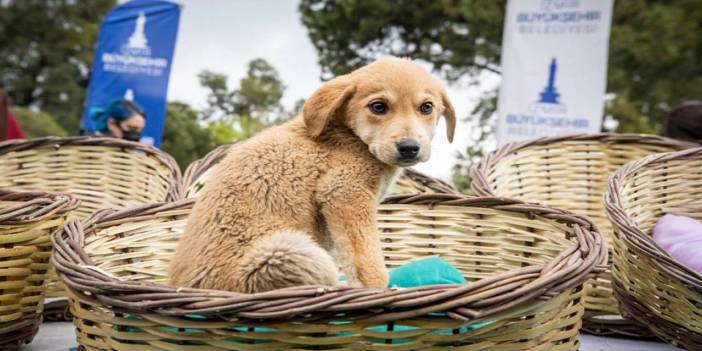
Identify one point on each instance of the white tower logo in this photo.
(129, 95)
(138, 39)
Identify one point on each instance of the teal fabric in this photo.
(427, 271)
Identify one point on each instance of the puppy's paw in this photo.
(375, 279)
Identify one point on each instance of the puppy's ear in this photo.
(323, 106)
(449, 115)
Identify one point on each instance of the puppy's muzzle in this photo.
(407, 149)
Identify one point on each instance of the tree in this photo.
(654, 55)
(37, 124)
(184, 137)
(654, 61)
(231, 114)
(460, 38)
(46, 54)
(250, 107)
(223, 133)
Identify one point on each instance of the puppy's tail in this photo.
(286, 259)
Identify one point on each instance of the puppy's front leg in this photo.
(351, 221)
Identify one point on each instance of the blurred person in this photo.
(121, 119)
(9, 126)
(685, 122)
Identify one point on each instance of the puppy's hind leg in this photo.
(285, 259)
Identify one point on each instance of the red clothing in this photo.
(14, 130)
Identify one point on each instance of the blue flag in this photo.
(133, 61)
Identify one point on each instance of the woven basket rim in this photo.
(430, 182)
(480, 170)
(175, 191)
(198, 167)
(34, 206)
(633, 234)
(571, 267)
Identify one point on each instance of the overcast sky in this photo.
(224, 35)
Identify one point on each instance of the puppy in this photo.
(283, 203)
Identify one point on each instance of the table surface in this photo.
(55, 336)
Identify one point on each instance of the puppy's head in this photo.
(393, 105)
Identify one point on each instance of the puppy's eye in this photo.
(378, 107)
(426, 108)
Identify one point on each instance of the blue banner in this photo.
(133, 61)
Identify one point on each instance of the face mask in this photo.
(130, 135)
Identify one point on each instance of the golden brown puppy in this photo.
(286, 201)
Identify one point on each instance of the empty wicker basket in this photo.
(525, 263)
(571, 173)
(26, 222)
(651, 286)
(412, 182)
(101, 172)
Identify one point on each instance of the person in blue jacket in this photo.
(121, 119)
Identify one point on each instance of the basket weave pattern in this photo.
(530, 262)
(411, 182)
(26, 222)
(100, 172)
(571, 173)
(652, 287)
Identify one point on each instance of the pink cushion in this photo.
(681, 238)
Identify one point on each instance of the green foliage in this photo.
(231, 114)
(654, 56)
(460, 38)
(260, 90)
(223, 133)
(250, 107)
(37, 124)
(46, 53)
(184, 137)
(654, 61)
(482, 114)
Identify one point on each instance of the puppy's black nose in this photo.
(407, 148)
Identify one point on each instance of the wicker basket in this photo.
(26, 222)
(101, 172)
(650, 285)
(571, 173)
(529, 262)
(412, 182)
